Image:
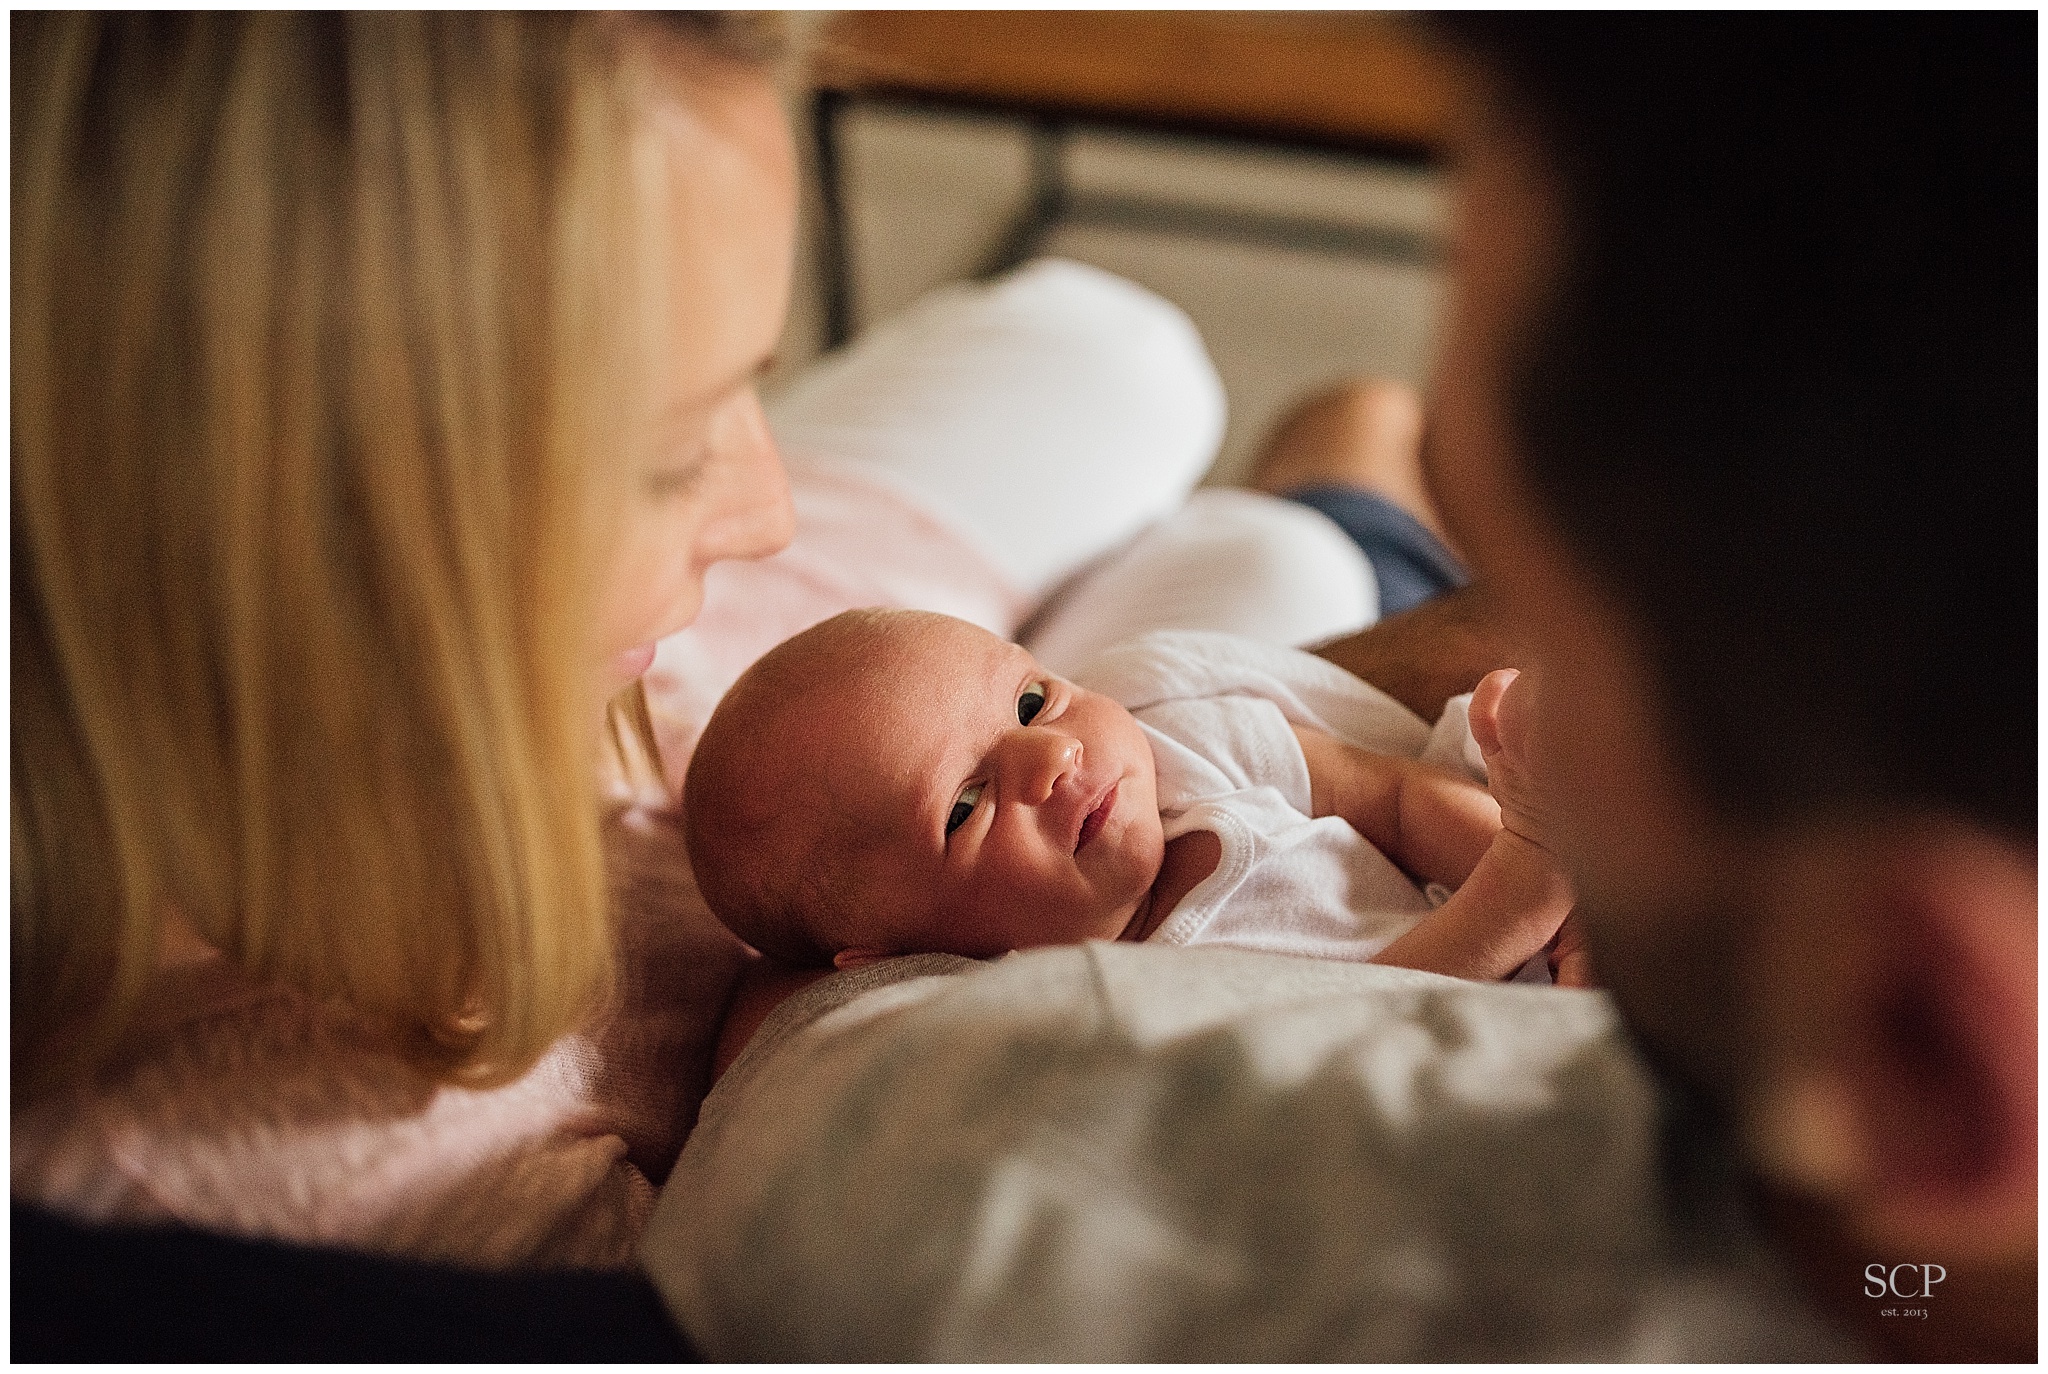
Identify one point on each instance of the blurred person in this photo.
(1735, 420)
(383, 386)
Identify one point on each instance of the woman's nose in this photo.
(750, 515)
(1034, 761)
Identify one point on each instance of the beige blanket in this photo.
(1122, 1152)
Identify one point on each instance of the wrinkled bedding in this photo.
(1123, 1152)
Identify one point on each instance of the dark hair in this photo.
(782, 866)
(1783, 398)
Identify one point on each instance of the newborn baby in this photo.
(896, 782)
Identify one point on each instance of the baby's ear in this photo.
(855, 958)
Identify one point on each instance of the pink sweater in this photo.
(255, 1111)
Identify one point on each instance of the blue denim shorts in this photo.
(1411, 564)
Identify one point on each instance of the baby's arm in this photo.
(1511, 895)
(1502, 917)
(1435, 825)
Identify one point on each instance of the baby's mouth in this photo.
(1097, 818)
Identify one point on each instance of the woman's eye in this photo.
(675, 482)
(1030, 704)
(681, 471)
(963, 808)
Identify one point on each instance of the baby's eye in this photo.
(963, 808)
(1031, 703)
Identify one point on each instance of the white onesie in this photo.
(1217, 710)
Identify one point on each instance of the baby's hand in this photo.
(1500, 725)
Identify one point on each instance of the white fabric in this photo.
(1237, 561)
(1217, 711)
(1052, 414)
(1127, 1152)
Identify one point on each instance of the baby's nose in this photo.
(1041, 758)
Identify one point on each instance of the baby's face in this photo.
(1009, 808)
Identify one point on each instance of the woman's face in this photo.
(706, 482)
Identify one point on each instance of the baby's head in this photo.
(895, 782)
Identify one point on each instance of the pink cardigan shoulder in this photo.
(254, 1112)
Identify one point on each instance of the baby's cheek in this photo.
(986, 906)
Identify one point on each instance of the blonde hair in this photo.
(318, 322)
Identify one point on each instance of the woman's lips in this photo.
(1096, 819)
(632, 663)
